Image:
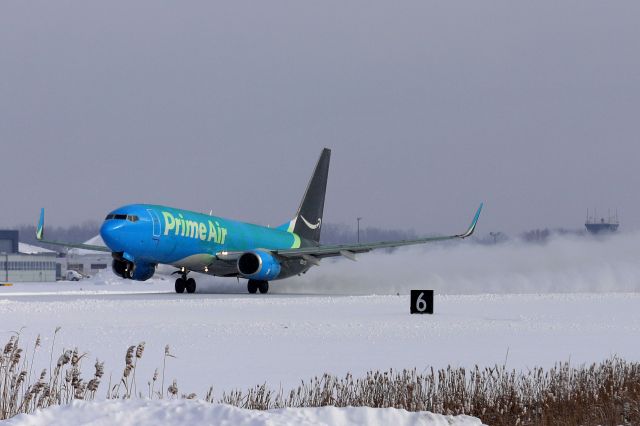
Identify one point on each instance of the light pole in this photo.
(358, 219)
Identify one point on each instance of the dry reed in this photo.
(18, 394)
(606, 393)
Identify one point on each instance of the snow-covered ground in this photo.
(570, 300)
(240, 340)
(188, 413)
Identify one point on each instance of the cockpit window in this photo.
(129, 217)
(119, 217)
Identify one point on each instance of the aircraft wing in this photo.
(313, 254)
(40, 237)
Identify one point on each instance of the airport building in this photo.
(87, 262)
(32, 266)
(9, 241)
(21, 262)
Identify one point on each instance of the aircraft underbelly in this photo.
(225, 268)
(195, 262)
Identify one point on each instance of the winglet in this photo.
(472, 227)
(40, 228)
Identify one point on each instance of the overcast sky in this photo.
(429, 108)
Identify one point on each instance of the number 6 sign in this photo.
(422, 301)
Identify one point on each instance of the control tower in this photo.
(602, 226)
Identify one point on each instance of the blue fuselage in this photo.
(153, 234)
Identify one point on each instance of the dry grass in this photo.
(22, 393)
(606, 393)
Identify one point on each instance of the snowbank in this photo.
(190, 412)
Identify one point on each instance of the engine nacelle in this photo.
(258, 265)
(121, 268)
(143, 271)
(134, 271)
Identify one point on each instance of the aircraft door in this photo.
(156, 223)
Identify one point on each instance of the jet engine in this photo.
(258, 265)
(135, 271)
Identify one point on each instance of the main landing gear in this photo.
(254, 285)
(183, 283)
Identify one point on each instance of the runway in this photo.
(239, 340)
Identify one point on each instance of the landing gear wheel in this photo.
(191, 285)
(263, 286)
(252, 286)
(181, 284)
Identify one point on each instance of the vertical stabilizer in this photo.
(308, 221)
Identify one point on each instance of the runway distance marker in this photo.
(421, 302)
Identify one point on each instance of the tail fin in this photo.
(308, 221)
(40, 228)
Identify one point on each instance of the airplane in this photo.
(142, 236)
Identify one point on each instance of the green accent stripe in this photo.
(296, 241)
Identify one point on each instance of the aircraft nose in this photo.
(112, 234)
